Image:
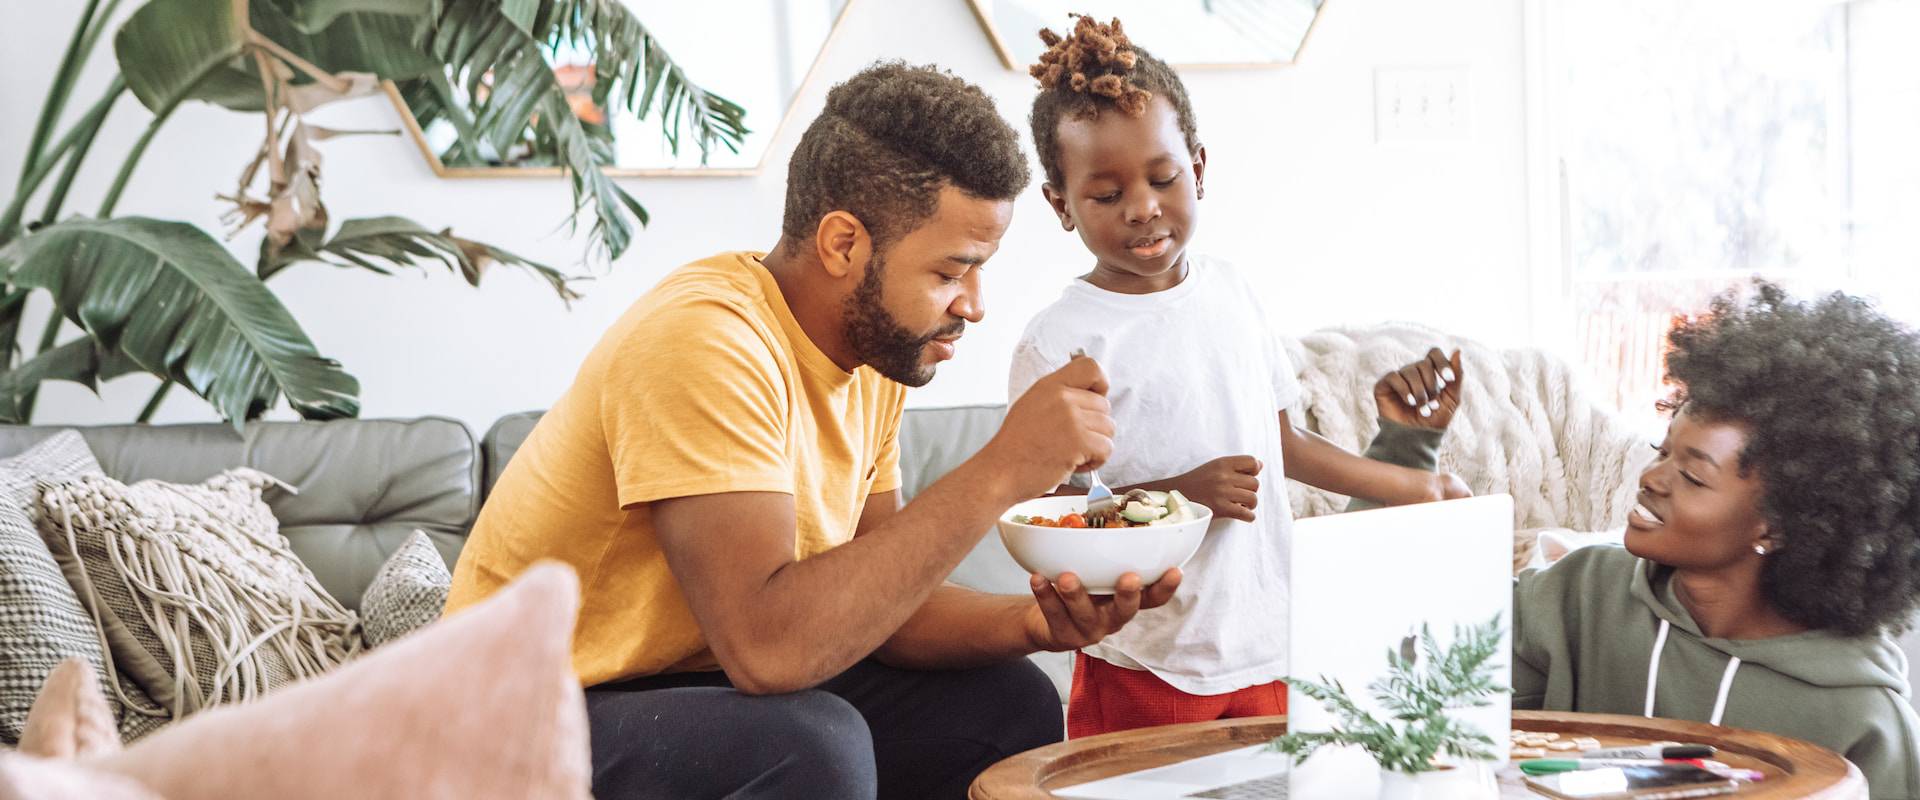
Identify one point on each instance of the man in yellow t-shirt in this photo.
(760, 615)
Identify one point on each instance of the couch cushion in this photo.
(932, 442)
(364, 485)
(500, 443)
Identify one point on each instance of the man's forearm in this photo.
(816, 617)
(958, 628)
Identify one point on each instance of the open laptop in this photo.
(1360, 583)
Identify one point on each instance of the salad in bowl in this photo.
(1144, 532)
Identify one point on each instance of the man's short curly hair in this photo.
(1095, 68)
(1830, 392)
(888, 141)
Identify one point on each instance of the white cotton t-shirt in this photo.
(1194, 373)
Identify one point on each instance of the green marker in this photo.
(1550, 766)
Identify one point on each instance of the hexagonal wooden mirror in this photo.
(771, 49)
(1184, 33)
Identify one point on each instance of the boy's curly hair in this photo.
(889, 139)
(1097, 67)
(1830, 390)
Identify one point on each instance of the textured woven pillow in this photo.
(202, 599)
(407, 593)
(41, 620)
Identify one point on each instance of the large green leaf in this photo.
(385, 43)
(168, 53)
(316, 15)
(396, 241)
(168, 47)
(13, 307)
(483, 48)
(80, 361)
(175, 302)
(632, 67)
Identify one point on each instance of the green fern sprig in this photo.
(1419, 693)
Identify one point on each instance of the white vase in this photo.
(1465, 782)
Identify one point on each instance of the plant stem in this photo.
(88, 127)
(57, 93)
(100, 23)
(47, 337)
(332, 81)
(153, 403)
(140, 148)
(85, 128)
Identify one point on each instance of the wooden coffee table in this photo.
(1793, 768)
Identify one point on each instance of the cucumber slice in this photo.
(1141, 512)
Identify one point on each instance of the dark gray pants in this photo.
(872, 731)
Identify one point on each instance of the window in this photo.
(1690, 145)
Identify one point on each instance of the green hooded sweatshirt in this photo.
(1590, 630)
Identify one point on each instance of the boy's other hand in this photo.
(1230, 486)
(1423, 394)
(1060, 426)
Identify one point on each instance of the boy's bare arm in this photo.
(1423, 394)
(1314, 461)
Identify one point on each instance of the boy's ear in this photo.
(1058, 202)
(1200, 172)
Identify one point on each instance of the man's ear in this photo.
(842, 244)
(1058, 202)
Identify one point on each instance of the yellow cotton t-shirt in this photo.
(706, 385)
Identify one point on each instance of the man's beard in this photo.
(880, 341)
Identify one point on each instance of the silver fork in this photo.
(1099, 497)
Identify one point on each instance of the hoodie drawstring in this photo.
(1653, 668)
(1726, 685)
(1653, 676)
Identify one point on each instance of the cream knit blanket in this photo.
(1527, 427)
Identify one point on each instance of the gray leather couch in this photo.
(364, 485)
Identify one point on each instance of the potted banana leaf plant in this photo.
(136, 294)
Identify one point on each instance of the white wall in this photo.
(1333, 227)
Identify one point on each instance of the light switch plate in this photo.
(1421, 104)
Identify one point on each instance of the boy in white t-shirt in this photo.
(1199, 390)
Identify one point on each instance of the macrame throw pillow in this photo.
(202, 600)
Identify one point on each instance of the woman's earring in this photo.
(1760, 549)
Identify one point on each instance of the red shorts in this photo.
(1107, 698)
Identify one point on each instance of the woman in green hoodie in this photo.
(1774, 548)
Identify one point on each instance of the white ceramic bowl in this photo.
(1099, 556)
